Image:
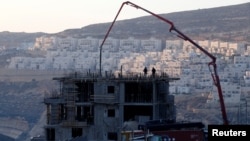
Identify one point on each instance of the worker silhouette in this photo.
(145, 70)
(153, 71)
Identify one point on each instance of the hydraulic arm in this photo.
(212, 65)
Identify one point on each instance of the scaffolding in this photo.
(89, 104)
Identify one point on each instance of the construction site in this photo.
(102, 107)
(97, 107)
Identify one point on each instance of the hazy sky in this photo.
(53, 16)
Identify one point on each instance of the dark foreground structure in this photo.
(97, 108)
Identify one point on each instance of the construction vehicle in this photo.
(212, 65)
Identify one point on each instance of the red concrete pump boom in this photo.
(184, 37)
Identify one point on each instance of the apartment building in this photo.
(132, 55)
(98, 107)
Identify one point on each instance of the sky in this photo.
(52, 16)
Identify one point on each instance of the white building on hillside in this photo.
(149, 45)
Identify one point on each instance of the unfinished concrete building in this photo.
(97, 107)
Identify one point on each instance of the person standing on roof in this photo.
(145, 70)
(153, 71)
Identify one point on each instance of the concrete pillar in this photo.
(154, 100)
(121, 108)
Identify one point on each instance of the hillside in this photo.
(15, 39)
(21, 100)
(230, 23)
